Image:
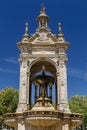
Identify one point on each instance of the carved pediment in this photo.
(43, 36)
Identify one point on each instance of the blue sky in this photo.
(73, 16)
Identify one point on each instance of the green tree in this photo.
(78, 104)
(8, 101)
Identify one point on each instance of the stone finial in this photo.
(26, 35)
(60, 28)
(26, 28)
(42, 9)
(60, 33)
(43, 69)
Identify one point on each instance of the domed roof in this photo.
(42, 14)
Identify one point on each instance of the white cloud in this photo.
(7, 71)
(86, 72)
(11, 60)
(77, 73)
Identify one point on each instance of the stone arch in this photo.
(35, 67)
(37, 64)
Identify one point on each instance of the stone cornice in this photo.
(64, 45)
(42, 45)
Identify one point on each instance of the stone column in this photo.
(22, 106)
(35, 93)
(39, 91)
(28, 88)
(65, 126)
(21, 125)
(62, 79)
(46, 92)
(51, 93)
(56, 95)
(30, 95)
(57, 89)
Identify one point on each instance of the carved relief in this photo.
(62, 83)
(43, 36)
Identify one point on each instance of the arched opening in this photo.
(43, 86)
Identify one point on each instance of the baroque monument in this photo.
(43, 102)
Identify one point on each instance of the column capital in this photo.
(23, 57)
(62, 58)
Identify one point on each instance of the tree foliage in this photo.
(78, 104)
(8, 101)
